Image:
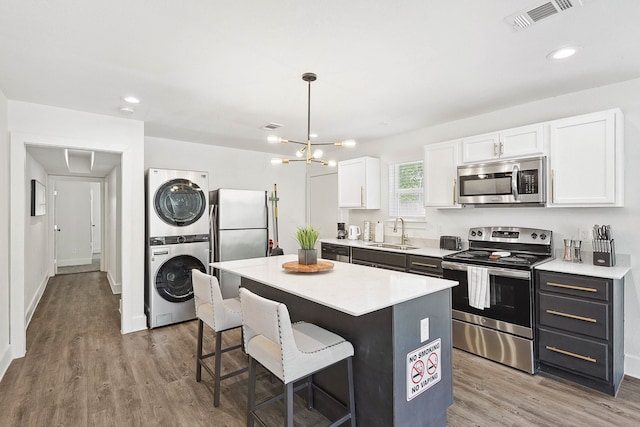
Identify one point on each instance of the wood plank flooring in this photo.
(80, 371)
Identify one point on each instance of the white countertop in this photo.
(350, 288)
(424, 251)
(618, 271)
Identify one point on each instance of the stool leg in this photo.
(217, 367)
(352, 400)
(288, 404)
(310, 392)
(199, 353)
(251, 399)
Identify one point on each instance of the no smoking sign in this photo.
(423, 368)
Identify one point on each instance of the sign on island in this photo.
(423, 368)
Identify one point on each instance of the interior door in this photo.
(73, 223)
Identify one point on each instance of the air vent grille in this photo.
(537, 12)
(542, 12)
(271, 126)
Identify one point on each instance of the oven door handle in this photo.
(493, 271)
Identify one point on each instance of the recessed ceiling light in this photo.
(562, 53)
(127, 110)
(131, 99)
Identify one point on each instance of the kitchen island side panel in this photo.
(371, 336)
(429, 407)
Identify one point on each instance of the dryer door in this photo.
(180, 202)
(173, 280)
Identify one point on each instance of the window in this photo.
(405, 190)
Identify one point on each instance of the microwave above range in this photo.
(517, 182)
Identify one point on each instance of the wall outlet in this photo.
(585, 234)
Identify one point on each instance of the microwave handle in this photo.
(514, 181)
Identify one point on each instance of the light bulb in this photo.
(299, 153)
(276, 161)
(349, 143)
(332, 163)
(317, 153)
(274, 139)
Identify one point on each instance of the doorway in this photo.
(77, 225)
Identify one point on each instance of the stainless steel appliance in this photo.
(335, 252)
(517, 182)
(239, 230)
(504, 331)
(342, 231)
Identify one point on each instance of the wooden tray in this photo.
(296, 267)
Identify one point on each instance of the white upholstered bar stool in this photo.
(291, 352)
(219, 314)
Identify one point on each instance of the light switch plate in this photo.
(424, 329)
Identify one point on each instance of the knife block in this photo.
(604, 253)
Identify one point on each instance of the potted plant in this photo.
(307, 238)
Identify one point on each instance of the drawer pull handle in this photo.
(572, 316)
(568, 353)
(577, 288)
(422, 264)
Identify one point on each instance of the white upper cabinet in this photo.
(517, 142)
(359, 183)
(586, 160)
(440, 172)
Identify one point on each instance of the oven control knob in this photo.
(479, 233)
(473, 233)
(534, 236)
(543, 236)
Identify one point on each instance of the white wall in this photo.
(563, 222)
(5, 350)
(36, 237)
(112, 230)
(239, 169)
(58, 127)
(96, 194)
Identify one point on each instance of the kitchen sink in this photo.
(392, 246)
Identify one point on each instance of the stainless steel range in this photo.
(502, 328)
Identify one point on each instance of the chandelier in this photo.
(307, 153)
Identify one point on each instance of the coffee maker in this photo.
(342, 231)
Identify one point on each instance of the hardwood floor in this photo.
(80, 371)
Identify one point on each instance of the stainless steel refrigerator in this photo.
(239, 230)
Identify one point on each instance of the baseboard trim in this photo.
(75, 261)
(35, 301)
(116, 288)
(5, 361)
(632, 366)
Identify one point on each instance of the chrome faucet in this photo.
(403, 237)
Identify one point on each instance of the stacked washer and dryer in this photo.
(177, 241)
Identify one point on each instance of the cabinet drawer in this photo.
(575, 315)
(579, 286)
(577, 354)
(379, 257)
(429, 266)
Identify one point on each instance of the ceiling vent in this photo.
(271, 126)
(540, 11)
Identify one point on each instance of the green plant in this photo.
(307, 237)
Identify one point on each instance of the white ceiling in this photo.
(215, 72)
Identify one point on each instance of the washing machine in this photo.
(169, 291)
(177, 203)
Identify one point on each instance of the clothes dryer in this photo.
(169, 289)
(177, 203)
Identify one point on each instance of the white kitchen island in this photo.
(398, 323)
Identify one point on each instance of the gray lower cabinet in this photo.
(379, 259)
(424, 265)
(580, 329)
